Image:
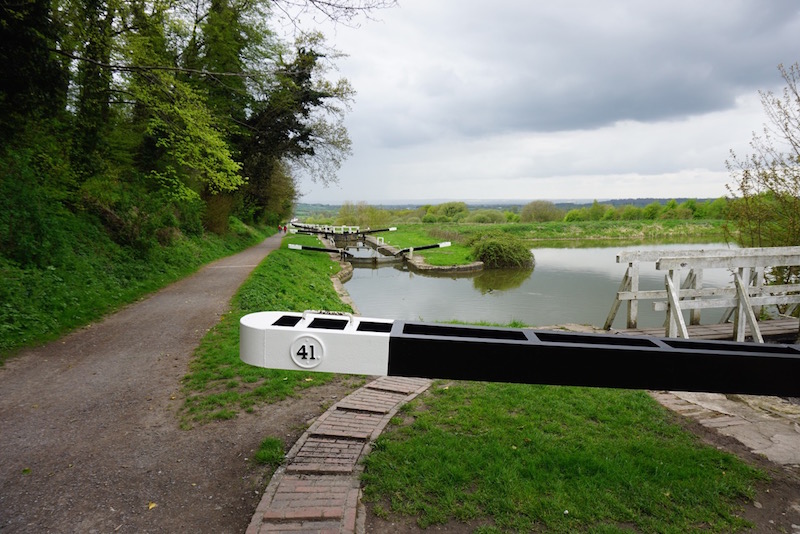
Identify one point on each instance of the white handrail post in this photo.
(675, 323)
(758, 283)
(745, 311)
(633, 305)
(696, 277)
(612, 314)
(739, 315)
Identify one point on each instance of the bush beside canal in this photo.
(499, 251)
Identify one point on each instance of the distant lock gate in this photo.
(342, 343)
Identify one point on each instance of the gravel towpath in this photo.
(89, 436)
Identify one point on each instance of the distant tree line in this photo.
(158, 118)
(366, 215)
(689, 209)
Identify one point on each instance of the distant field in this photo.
(538, 234)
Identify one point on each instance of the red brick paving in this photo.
(347, 424)
(318, 488)
(321, 454)
(371, 400)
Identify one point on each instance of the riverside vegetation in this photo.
(74, 270)
(91, 275)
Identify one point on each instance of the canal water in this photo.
(567, 285)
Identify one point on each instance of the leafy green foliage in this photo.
(766, 220)
(498, 251)
(541, 211)
(32, 229)
(485, 216)
(447, 212)
(555, 459)
(91, 276)
(687, 210)
(33, 83)
(297, 123)
(766, 184)
(362, 215)
(149, 115)
(535, 212)
(196, 155)
(228, 41)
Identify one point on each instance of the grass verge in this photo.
(417, 235)
(523, 458)
(542, 234)
(219, 385)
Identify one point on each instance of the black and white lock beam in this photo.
(343, 252)
(320, 341)
(329, 232)
(443, 244)
(375, 231)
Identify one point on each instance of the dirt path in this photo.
(88, 432)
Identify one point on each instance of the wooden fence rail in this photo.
(744, 299)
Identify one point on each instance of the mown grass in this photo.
(93, 276)
(539, 234)
(417, 235)
(219, 385)
(523, 458)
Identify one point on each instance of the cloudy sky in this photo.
(576, 99)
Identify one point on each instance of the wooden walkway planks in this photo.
(769, 328)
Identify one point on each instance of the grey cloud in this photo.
(521, 67)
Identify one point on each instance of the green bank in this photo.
(522, 458)
(87, 275)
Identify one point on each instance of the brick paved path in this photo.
(317, 489)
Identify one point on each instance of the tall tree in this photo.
(224, 44)
(766, 183)
(34, 170)
(33, 81)
(297, 123)
(94, 84)
(147, 112)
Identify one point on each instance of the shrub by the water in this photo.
(502, 251)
